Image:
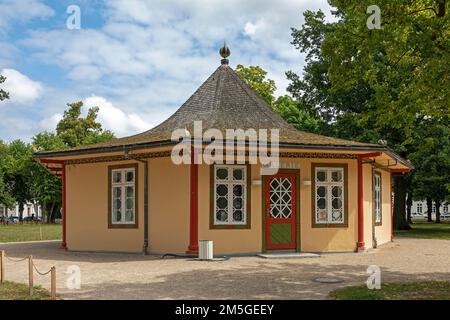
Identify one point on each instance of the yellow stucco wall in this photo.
(87, 209)
(87, 206)
(168, 206)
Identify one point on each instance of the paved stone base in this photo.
(291, 255)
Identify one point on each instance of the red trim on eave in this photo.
(193, 223)
(369, 155)
(400, 170)
(64, 216)
(51, 161)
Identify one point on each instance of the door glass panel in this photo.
(280, 194)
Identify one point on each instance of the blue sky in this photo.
(137, 60)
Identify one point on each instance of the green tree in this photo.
(75, 130)
(6, 198)
(72, 131)
(46, 186)
(296, 114)
(18, 180)
(376, 84)
(432, 163)
(255, 77)
(3, 94)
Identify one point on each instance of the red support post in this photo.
(64, 216)
(392, 211)
(193, 231)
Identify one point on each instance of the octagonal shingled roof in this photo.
(223, 101)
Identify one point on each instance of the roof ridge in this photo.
(218, 91)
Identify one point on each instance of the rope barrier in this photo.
(15, 260)
(31, 266)
(41, 273)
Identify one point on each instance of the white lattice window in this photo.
(419, 208)
(329, 195)
(230, 194)
(377, 197)
(123, 196)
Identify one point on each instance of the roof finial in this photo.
(225, 53)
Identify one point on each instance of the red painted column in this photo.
(64, 216)
(360, 245)
(392, 211)
(193, 231)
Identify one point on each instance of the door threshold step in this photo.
(290, 255)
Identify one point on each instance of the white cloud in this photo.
(22, 11)
(49, 124)
(148, 57)
(21, 89)
(250, 29)
(115, 119)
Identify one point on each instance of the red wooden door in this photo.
(281, 208)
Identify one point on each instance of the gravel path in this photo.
(127, 276)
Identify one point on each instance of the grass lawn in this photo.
(19, 291)
(420, 290)
(427, 230)
(29, 232)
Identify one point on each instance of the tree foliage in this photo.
(296, 114)
(75, 130)
(3, 94)
(22, 179)
(17, 164)
(288, 108)
(382, 83)
(255, 77)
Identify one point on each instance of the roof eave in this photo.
(137, 146)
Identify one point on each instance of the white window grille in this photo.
(230, 194)
(377, 197)
(123, 196)
(329, 195)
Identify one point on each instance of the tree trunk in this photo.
(50, 212)
(21, 211)
(429, 209)
(408, 208)
(438, 212)
(400, 222)
(54, 213)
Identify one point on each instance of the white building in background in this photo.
(29, 210)
(419, 210)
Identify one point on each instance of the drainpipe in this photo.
(360, 245)
(145, 162)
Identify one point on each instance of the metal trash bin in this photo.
(205, 250)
